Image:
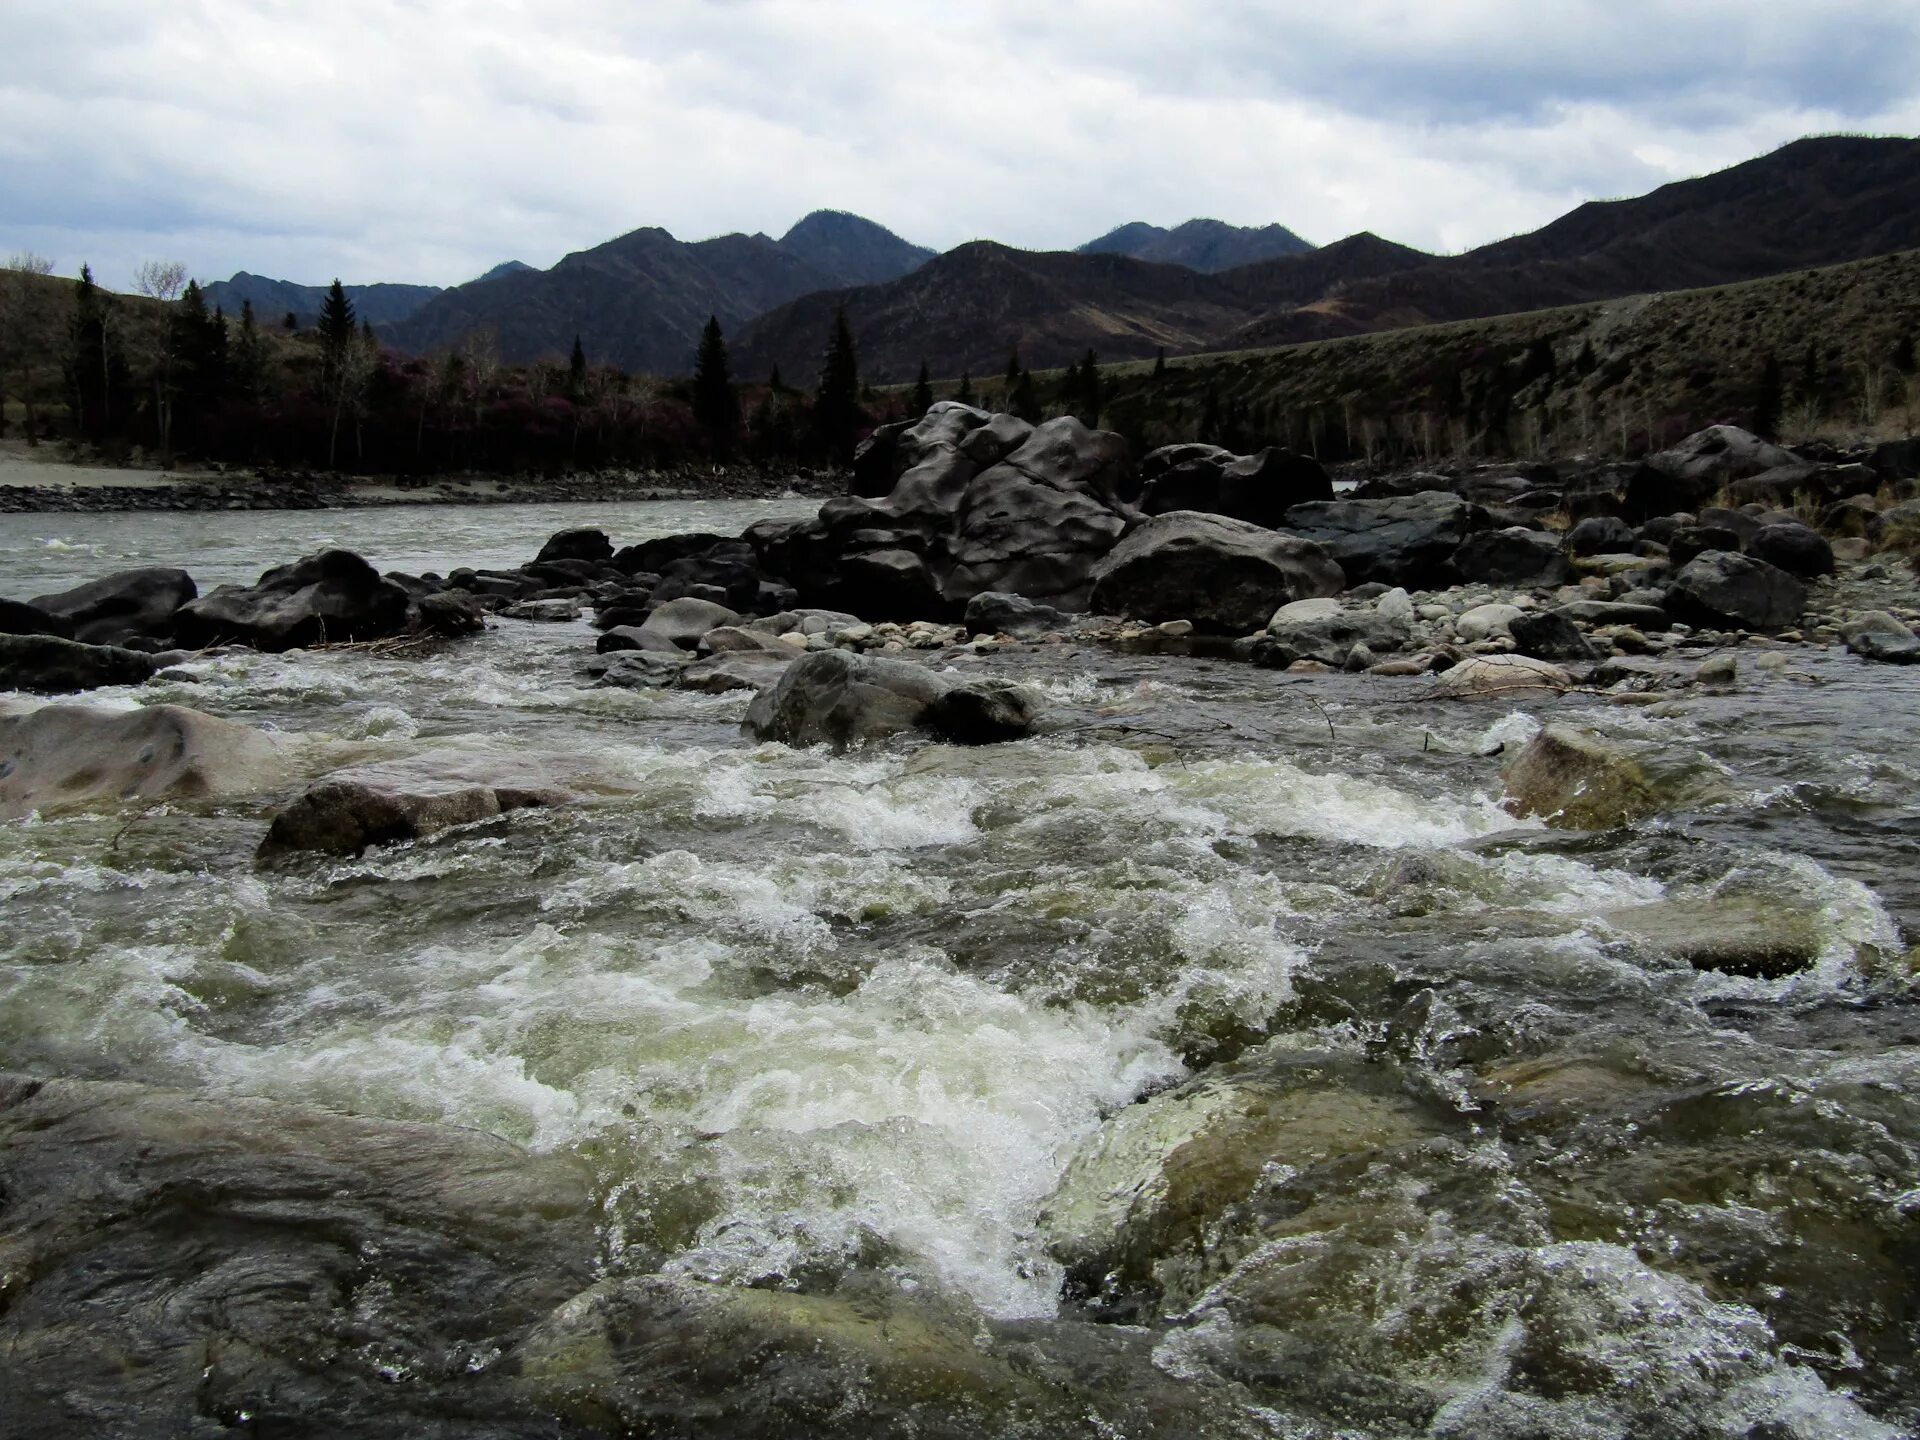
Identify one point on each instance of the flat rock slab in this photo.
(57, 758)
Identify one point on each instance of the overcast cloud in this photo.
(426, 141)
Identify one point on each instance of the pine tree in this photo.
(1210, 416)
(774, 383)
(1013, 375)
(290, 322)
(97, 374)
(577, 372)
(716, 404)
(1160, 363)
(965, 393)
(922, 398)
(1090, 397)
(836, 402)
(250, 355)
(337, 326)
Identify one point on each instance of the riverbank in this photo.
(44, 481)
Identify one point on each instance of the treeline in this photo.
(160, 372)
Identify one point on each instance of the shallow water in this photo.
(1461, 1157)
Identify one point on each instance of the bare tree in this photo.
(27, 304)
(161, 281)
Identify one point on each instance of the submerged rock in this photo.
(350, 810)
(329, 597)
(1876, 635)
(55, 758)
(1224, 575)
(1573, 778)
(836, 698)
(182, 1264)
(1759, 937)
(48, 665)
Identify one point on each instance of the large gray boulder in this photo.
(1724, 589)
(121, 606)
(1795, 548)
(1408, 540)
(834, 697)
(55, 758)
(17, 617)
(330, 596)
(978, 502)
(1224, 575)
(48, 665)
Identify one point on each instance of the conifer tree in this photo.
(96, 369)
(1089, 397)
(716, 404)
(1021, 400)
(1013, 374)
(337, 326)
(922, 398)
(250, 355)
(965, 393)
(577, 372)
(1160, 363)
(774, 383)
(836, 402)
(1766, 405)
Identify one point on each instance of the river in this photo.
(1227, 1062)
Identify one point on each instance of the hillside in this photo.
(1814, 202)
(640, 300)
(1208, 246)
(1618, 376)
(380, 305)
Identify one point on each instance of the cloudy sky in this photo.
(426, 140)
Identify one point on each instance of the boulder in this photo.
(1728, 590)
(1599, 535)
(1689, 541)
(650, 557)
(330, 596)
(680, 623)
(582, 544)
(1876, 635)
(993, 612)
(1516, 555)
(1329, 639)
(1501, 677)
(48, 665)
(1550, 635)
(552, 612)
(729, 576)
(1574, 779)
(736, 670)
(1794, 548)
(638, 669)
(634, 637)
(1614, 612)
(1261, 488)
(123, 605)
(837, 698)
(17, 617)
(344, 813)
(1698, 468)
(978, 503)
(1320, 607)
(55, 758)
(1483, 622)
(1408, 540)
(1222, 574)
(450, 613)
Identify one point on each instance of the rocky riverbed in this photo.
(828, 980)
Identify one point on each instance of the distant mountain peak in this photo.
(1204, 244)
(504, 268)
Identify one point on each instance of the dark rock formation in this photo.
(118, 607)
(837, 698)
(1723, 589)
(1409, 540)
(48, 665)
(332, 595)
(1224, 575)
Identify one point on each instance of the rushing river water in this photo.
(1225, 1062)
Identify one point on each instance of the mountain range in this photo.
(639, 301)
(1815, 202)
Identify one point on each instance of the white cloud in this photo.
(427, 141)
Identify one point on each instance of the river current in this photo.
(1234, 1024)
